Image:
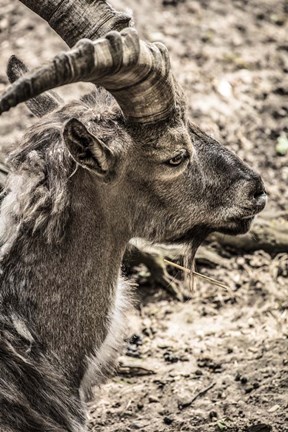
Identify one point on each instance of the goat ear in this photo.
(88, 150)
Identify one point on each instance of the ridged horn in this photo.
(40, 105)
(136, 73)
(77, 19)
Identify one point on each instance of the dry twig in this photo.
(199, 394)
(198, 275)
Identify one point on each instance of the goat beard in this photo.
(199, 235)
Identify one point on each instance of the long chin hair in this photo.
(197, 238)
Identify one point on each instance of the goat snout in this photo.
(257, 194)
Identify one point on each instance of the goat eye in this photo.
(178, 159)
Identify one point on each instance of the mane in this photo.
(36, 195)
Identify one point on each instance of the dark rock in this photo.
(209, 363)
(135, 340)
(213, 415)
(249, 389)
(243, 380)
(167, 420)
(169, 357)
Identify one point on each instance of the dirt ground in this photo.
(217, 362)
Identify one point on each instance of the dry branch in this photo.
(197, 395)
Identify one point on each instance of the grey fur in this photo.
(65, 224)
(34, 394)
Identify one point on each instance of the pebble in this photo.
(135, 340)
(210, 364)
(162, 344)
(243, 380)
(153, 399)
(273, 409)
(249, 389)
(138, 425)
(167, 420)
(213, 414)
(169, 357)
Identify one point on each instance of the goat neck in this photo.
(72, 318)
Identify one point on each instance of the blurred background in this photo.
(217, 361)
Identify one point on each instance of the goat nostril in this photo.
(260, 200)
(260, 194)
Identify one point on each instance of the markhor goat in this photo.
(88, 177)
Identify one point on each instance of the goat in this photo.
(123, 162)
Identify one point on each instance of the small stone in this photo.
(224, 88)
(243, 380)
(147, 331)
(136, 425)
(213, 415)
(153, 399)
(209, 363)
(135, 340)
(184, 358)
(167, 420)
(273, 409)
(170, 358)
(249, 389)
(162, 344)
(159, 383)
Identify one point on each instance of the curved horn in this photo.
(77, 19)
(136, 73)
(40, 105)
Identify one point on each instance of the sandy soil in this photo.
(219, 361)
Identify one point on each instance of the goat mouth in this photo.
(196, 235)
(237, 225)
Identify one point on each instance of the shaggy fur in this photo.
(103, 363)
(34, 394)
(36, 197)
